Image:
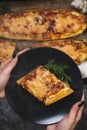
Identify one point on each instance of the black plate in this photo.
(28, 107)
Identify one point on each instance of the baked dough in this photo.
(44, 85)
(42, 24)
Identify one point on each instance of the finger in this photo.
(11, 65)
(81, 107)
(8, 60)
(82, 100)
(74, 110)
(3, 64)
(79, 113)
(75, 107)
(14, 61)
(24, 50)
(16, 52)
(83, 97)
(51, 127)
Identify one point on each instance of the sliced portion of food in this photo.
(76, 49)
(44, 85)
(6, 49)
(42, 24)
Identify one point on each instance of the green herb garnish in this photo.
(58, 70)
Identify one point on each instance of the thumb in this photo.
(74, 110)
(11, 65)
(14, 61)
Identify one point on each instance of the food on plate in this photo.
(6, 49)
(44, 85)
(58, 70)
(42, 24)
(76, 49)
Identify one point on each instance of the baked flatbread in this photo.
(6, 49)
(42, 24)
(44, 85)
(76, 49)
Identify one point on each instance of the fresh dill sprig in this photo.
(58, 70)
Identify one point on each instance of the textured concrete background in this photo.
(8, 119)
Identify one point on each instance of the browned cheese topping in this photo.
(44, 85)
(76, 49)
(42, 24)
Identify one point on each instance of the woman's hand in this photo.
(71, 119)
(5, 71)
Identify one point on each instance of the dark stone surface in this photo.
(8, 119)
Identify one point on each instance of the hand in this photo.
(5, 71)
(71, 119)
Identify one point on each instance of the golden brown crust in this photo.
(44, 85)
(76, 49)
(42, 24)
(6, 49)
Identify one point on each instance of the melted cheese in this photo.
(44, 85)
(42, 24)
